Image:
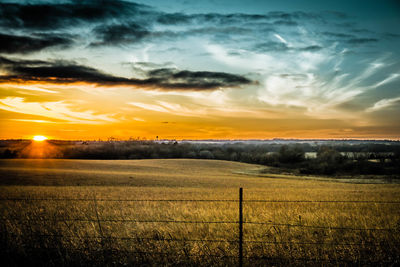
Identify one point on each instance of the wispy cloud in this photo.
(383, 104)
(56, 110)
(392, 77)
(37, 121)
(150, 107)
(305, 79)
(280, 38)
(37, 89)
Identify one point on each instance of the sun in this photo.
(39, 138)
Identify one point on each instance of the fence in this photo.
(102, 238)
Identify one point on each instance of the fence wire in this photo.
(40, 220)
(98, 220)
(201, 200)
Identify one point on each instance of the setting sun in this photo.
(39, 138)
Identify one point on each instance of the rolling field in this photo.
(68, 212)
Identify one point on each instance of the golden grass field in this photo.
(99, 232)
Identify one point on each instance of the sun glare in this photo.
(39, 138)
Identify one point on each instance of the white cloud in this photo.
(389, 79)
(56, 110)
(248, 61)
(151, 107)
(139, 119)
(198, 104)
(34, 88)
(280, 38)
(173, 108)
(313, 80)
(384, 103)
(38, 121)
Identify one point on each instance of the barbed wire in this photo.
(103, 238)
(202, 200)
(321, 227)
(191, 222)
(114, 220)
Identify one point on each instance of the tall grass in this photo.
(46, 232)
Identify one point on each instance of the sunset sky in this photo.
(189, 69)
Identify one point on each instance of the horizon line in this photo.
(215, 140)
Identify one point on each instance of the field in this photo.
(83, 212)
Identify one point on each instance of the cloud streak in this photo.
(55, 110)
(383, 104)
(11, 44)
(66, 72)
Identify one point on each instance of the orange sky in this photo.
(79, 111)
(195, 70)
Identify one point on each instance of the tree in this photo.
(291, 154)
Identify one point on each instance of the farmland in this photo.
(65, 212)
(333, 158)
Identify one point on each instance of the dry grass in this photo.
(321, 233)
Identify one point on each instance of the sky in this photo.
(210, 69)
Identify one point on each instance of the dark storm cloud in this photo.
(53, 71)
(235, 27)
(123, 23)
(198, 79)
(299, 15)
(391, 35)
(117, 22)
(358, 38)
(337, 35)
(212, 18)
(22, 44)
(362, 31)
(132, 33)
(60, 15)
(286, 23)
(71, 72)
(311, 48)
(119, 34)
(362, 40)
(271, 47)
(279, 18)
(281, 47)
(149, 65)
(142, 68)
(174, 19)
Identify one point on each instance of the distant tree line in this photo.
(329, 161)
(337, 159)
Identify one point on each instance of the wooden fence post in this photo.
(240, 227)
